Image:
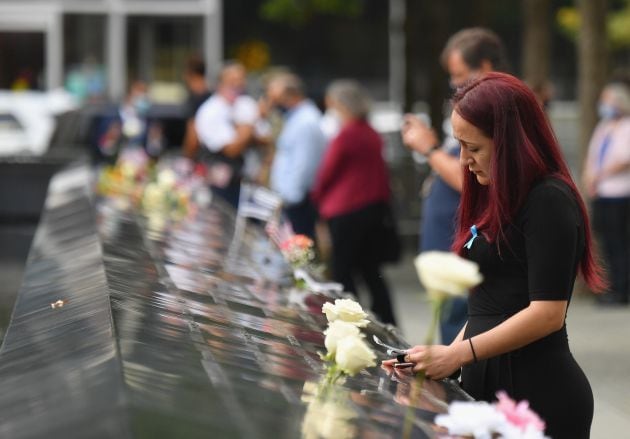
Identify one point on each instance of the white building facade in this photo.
(147, 39)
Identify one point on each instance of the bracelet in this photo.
(431, 150)
(473, 350)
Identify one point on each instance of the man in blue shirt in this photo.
(299, 150)
(468, 54)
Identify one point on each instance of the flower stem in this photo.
(332, 374)
(436, 308)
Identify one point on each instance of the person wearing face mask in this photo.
(225, 125)
(299, 150)
(331, 120)
(129, 126)
(606, 179)
(352, 191)
(133, 113)
(469, 53)
(523, 221)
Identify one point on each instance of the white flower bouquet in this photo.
(348, 353)
(505, 419)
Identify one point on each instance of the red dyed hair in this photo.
(525, 151)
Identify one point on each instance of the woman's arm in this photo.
(538, 320)
(448, 168)
(616, 168)
(421, 138)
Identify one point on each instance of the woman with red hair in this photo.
(523, 221)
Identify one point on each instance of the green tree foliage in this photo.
(299, 12)
(617, 24)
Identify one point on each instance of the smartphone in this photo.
(403, 365)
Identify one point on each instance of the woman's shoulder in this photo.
(359, 132)
(551, 196)
(551, 188)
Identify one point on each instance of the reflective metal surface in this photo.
(60, 373)
(179, 329)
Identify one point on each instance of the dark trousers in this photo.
(355, 249)
(230, 193)
(302, 217)
(611, 223)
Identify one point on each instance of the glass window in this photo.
(157, 50)
(84, 56)
(22, 55)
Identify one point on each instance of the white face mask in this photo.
(331, 122)
(333, 113)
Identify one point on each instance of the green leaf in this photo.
(299, 12)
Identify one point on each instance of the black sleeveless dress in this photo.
(539, 262)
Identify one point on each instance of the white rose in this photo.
(156, 222)
(132, 128)
(346, 310)
(479, 419)
(509, 431)
(166, 179)
(336, 331)
(153, 196)
(129, 170)
(353, 355)
(329, 418)
(446, 274)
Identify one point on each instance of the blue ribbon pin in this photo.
(469, 244)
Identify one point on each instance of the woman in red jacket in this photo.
(352, 193)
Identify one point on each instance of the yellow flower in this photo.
(166, 179)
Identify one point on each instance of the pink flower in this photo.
(298, 250)
(302, 241)
(518, 414)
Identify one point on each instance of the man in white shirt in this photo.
(225, 127)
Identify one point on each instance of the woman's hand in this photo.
(417, 135)
(437, 361)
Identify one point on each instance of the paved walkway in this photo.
(599, 339)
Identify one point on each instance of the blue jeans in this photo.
(302, 217)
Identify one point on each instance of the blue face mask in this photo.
(282, 109)
(607, 112)
(141, 104)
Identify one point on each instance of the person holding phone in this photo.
(531, 237)
(468, 54)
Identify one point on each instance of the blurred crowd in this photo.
(327, 164)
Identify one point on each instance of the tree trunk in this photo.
(536, 42)
(397, 51)
(437, 15)
(411, 53)
(592, 66)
